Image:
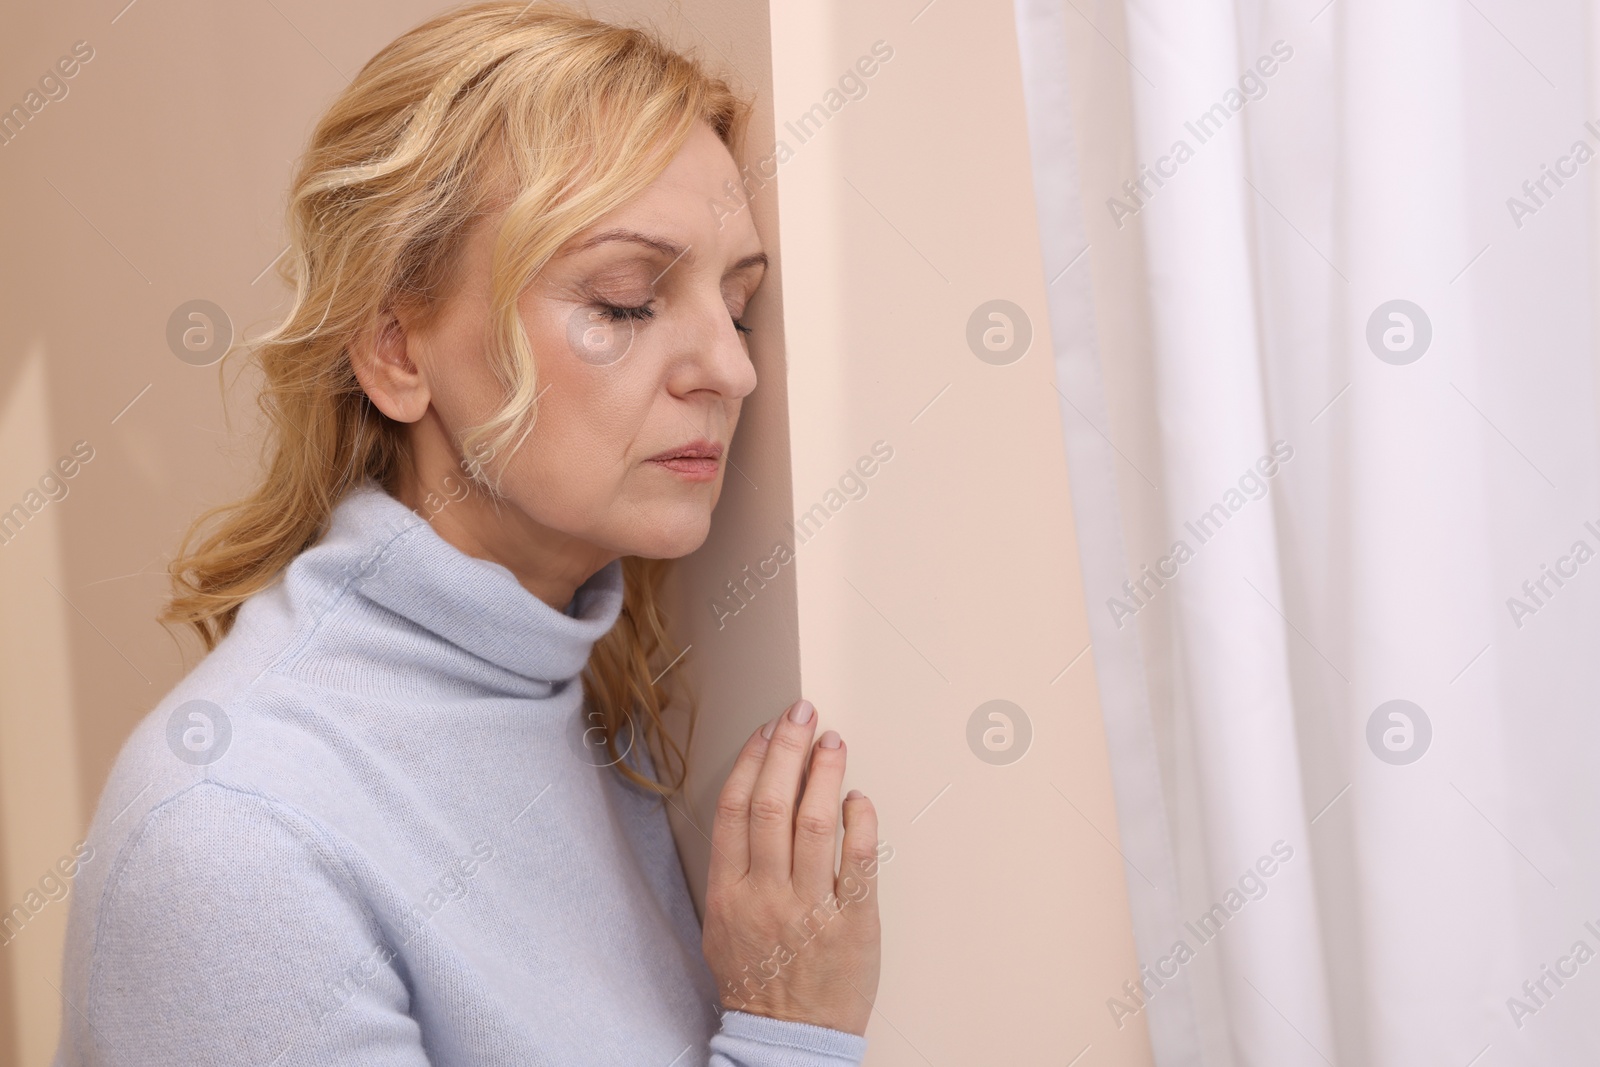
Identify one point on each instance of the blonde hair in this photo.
(534, 108)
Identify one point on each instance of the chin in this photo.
(673, 537)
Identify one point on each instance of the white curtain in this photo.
(1367, 413)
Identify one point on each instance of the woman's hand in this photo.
(785, 935)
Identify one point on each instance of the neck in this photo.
(547, 563)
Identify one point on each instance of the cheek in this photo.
(576, 443)
(581, 448)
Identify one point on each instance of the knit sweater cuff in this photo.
(747, 1040)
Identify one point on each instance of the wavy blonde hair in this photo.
(530, 109)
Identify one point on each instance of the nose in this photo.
(715, 359)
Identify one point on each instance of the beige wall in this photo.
(159, 179)
(954, 580)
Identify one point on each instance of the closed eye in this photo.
(619, 313)
(645, 311)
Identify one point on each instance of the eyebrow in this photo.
(665, 247)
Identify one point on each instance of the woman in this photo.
(397, 815)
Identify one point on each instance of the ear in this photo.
(382, 360)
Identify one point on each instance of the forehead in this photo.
(702, 158)
(687, 205)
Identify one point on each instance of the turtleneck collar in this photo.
(384, 552)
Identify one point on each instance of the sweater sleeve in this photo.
(228, 932)
(746, 1040)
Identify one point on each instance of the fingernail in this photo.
(766, 731)
(830, 739)
(853, 794)
(801, 712)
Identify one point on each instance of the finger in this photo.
(772, 803)
(730, 826)
(816, 826)
(858, 867)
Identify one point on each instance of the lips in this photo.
(698, 449)
(698, 460)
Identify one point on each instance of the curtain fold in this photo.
(1119, 664)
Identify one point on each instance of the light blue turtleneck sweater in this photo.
(366, 830)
